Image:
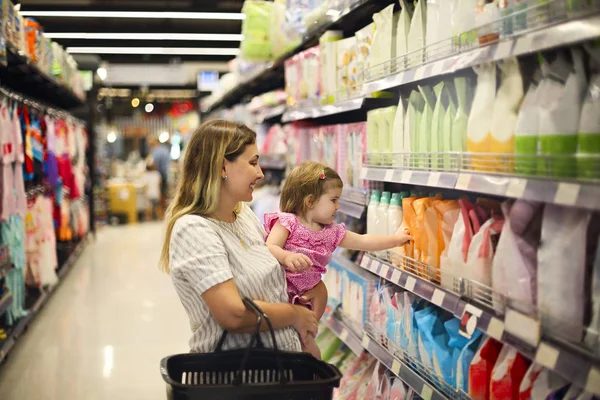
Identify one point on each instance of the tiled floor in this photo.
(104, 331)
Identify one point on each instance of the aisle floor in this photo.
(103, 332)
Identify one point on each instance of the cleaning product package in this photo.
(283, 37)
(328, 62)
(388, 116)
(588, 138)
(463, 21)
(458, 247)
(402, 32)
(346, 55)
(563, 263)
(481, 252)
(364, 40)
(424, 136)
(465, 358)
(256, 45)
(508, 374)
(447, 126)
(527, 127)
(433, 19)
(448, 212)
(592, 338)
(504, 116)
(373, 142)
(549, 385)
(410, 221)
(398, 391)
(437, 124)
(480, 124)
(293, 76)
(434, 242)
(416, 36)
(560, 112)
(528, 380)
(382, 51)
(311, 74)
(514, 269)
(480, 371)
(433, 341)
(398, 141)
(461, 119)
(421, 249)
(412, 122)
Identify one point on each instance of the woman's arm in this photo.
(355, 241)
(295, 262)
(226, 306)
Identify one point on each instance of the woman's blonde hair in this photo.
(305, 185)
(200, 183)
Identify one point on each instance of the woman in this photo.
(215, 250)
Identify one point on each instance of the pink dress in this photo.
(318, 246)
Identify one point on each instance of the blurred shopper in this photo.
(161, 158)
(153, 182)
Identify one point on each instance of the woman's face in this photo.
(242, 175)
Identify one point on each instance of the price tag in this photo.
(523, 327)
(463, 181)
(363, 173)
(546, 355)
(365, 342)
(364, 263)
(469, 320)
(396, 276)
(516, 187)
(427, 392)
(593, 381)
(344, 335)
(419, 74)
(523, 45)
(406, 176)
(438, 67)
(495, 329)
(389, 175)
(384, 270)
(374, 266)
(410, 284)
(504, 49)
(434, 178)
(396, 367)
(438, 297)
(567, 193)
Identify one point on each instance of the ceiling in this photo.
(128, 25)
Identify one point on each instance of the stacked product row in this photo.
(500, 248)
(42, 194)
(27, 36)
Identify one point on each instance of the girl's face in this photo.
(323, 211)
(242, 175)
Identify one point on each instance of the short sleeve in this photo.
(339, 232)
(198, 254)
(287, 220)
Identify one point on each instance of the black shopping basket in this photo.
(249, 374)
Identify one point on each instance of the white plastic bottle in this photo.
(395, 215)
(372, 212)
(381, 219)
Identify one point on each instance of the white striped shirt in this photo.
(204, 253)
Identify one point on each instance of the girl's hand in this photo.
(297, 263)
(305, 321)
(403, 236)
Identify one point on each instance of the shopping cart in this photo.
(249, 374)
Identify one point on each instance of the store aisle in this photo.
(103, 333)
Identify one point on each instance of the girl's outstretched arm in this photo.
(354, 241)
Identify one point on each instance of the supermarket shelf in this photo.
(271, 113)
(24, 77)
(568, 193)
(514, 328)
(351, 209)
(355, 195)
(13, 335)
(311, 111)
(5, 302)
(343, 331)
(531, 41)
(350, 19)
(401, 370)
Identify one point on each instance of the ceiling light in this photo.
(102, 73)
(149, 107)
(111, 137)
(136, 14)
(191, 51)
(217, 37)
(135, 102)
(163, 137)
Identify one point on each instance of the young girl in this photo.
(303, 235)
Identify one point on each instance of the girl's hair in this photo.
(199, 188)
(305, 185)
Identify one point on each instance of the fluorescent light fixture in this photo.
(184, 51)
(216, 37)
(149, 107)
(136, 14)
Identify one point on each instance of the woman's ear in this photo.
(224, 170)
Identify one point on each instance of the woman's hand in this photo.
(305, 321)
(317, 296)
(297, 263)
(403, 236)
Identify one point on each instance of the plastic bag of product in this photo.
(373, 145)
(588, 138)
(421, 249)
(398, 390)
(328, 62)
(431, 256)
(365, 38)
(592, 339)
(560, 112)
(283, 36)
(527, 127)
(402, 31)
(433, 18)
(386, 116)
(406, 341)
(433, 341)
(424, 136)
(458, 344)
(412, 121)
(461, 119)
(481, 252)
(508, 374)
(561, 266)
(528, 380)
(398, 135)
(506, 108)
(256, 45)
(480, 124)
(311, 74)
(514, 269)
(410, 222)
(383, 39)
(448, 212)
(465, 359)
(447, 126)
(549, 385)
(416, 35)
(458, 248)
(376, 381)
(346, 55)
(480, 372)
(463, 21)
(437, 124)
